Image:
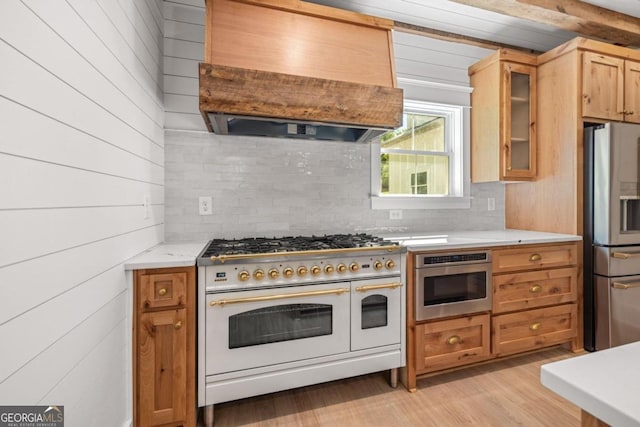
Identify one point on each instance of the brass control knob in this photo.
(315, 270)
(288, 272)
(244, 275)
(341, 268)
(329, 269)
(390, 264)
(258, 274)
(354, 267)
(273, 274)
(302, 271)
(377, 265)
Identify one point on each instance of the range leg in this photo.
(393, 377)
(208, 416)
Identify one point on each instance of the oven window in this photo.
(455, 288)
(280, 323)
(374, 311)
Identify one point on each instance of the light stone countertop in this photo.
(469, 239)
(167, 255)
(606, 383)
(182, 254)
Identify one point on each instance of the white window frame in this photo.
(457, 140)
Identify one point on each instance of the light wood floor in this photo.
(502, 393)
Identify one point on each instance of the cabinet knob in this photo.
(162, 292)
(535, 326)
(535, 257)
(178, 324)
(535, 289)
(453, 340)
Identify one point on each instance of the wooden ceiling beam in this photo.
(570, 15)
(457, 38)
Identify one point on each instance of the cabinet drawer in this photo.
(528, 258)
(521, 291)
(163, 290)
(532, 329)
(450, 343)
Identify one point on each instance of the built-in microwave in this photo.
(452, 283)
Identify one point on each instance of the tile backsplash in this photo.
(274, 187)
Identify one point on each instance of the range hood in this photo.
(293, 69)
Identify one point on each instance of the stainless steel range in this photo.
(274, 314)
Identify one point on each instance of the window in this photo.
(419, 183)
(421, 164)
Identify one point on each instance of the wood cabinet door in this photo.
(518, 122)
(533, 329)
(534, 258)
(162, 367)
(525, 290)
(454, 342)
(602, 86)
(632, 91)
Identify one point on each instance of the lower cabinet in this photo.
(532, 329)
(534, 305)
(453, 342)
(164, 347)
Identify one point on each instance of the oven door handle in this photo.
(620, 285)
(222, 302)
(375, 287)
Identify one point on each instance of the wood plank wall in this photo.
(81, 145)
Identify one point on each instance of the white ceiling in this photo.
(455, 18)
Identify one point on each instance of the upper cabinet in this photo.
(503, 117)
(610, 87)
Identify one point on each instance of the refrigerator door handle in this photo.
(625, 255)
(624, 286)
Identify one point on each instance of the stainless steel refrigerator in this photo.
(611, 235)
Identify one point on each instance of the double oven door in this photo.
(268, 327)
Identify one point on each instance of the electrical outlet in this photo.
(146, 206)
(205, 205)
(395, 214)
(491, 204)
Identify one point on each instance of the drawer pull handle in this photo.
(178, 324)
(535, 289)
(535, 326)
(453, 340)
(162, 292)
(535, 257)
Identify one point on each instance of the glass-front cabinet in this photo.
(519, 121)
(503, 117)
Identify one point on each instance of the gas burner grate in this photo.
(259, 245)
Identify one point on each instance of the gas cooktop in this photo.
(264, 245)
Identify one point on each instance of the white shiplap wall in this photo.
(81, 146)
(264, 186)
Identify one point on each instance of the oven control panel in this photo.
(241, 276)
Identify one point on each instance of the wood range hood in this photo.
(287, 68)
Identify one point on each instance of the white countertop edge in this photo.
(595, 383)
(167, 255)
(477, 239)
(184, 254)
